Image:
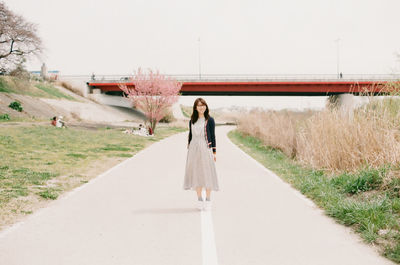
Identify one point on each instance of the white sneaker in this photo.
(207, 205)
(200, 205)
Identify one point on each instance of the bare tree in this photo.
(18, 39)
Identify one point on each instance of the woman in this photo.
(201, 156)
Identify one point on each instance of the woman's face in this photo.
(201, 108)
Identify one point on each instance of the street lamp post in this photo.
(199, 60)
(337, 57)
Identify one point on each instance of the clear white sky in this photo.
(236, 37)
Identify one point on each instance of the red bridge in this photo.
(265, 86)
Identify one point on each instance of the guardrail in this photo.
(245, 78)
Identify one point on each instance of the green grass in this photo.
(186, 111)
(123, 155)
(49, 193)
(31, 88)
(4, 87)
(52, 91)
(365, 180)
(12, 119)
(76, 155)
(111, 147)
(360, 200)
(31, 156)
(4, 117)
(15, 182)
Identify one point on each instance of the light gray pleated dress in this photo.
(200, 165)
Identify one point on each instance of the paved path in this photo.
(137, 213)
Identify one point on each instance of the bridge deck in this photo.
(255, 88)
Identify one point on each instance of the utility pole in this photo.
(337, 57)
(199, 60)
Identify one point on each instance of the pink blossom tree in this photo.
(152, 93)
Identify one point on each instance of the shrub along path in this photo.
(138, 213)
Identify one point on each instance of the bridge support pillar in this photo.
(96, 91)
(111, 100)
(177, 111)
(346, 103)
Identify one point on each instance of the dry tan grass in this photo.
(179, 123)
(333, 141)
(330, 139)
(227, 116)
(71, 88)
(277, 129)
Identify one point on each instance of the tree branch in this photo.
(18, 38)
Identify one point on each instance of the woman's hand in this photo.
(215, 157)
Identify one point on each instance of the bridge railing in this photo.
(244, 78)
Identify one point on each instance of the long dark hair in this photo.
(195, 114)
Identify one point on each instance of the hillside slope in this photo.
(41, 101)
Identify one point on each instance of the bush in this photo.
(16, 106)
(4, 117)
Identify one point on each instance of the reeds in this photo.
(277, 129)
(330, 139)
(333, 141)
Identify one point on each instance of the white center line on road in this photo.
(209, 250)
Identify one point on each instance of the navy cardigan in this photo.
(209, 133)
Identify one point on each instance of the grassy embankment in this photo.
(31, 88)
(39, 163)
(348, 166)
(39, 89)
(186, 111)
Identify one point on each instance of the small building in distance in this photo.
(45, 74)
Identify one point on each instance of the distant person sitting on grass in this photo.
(142, 130)
(54, 121)
(60, 123)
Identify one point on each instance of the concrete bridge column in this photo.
(177, 111)
(117, 101)
(346, 103)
